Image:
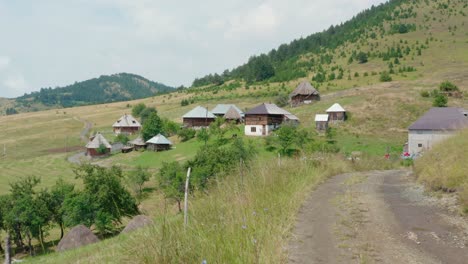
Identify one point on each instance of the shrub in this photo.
(282, 100)
(440, 101)
(447, 86)
(122, 138)
(385, 77)
(425, 94)
(186, 134)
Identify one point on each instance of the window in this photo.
(419, 145)
(253, 129)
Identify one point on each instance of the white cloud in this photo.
(260, 20)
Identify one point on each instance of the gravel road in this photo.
(377, 217)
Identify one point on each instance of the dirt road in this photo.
(377, 217)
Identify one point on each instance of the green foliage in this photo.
(102, 149)
(425, 94)
(287, 137)
(282, 100)
(259, 68)
(170, 127)
(137, 109)
(136, 179)
(102, 202)
(11, 111)
(105, 89)
(59, 192)
(385, 77)
(440, 100)
(122, 138)
(184, 102)
(362, 57)
(203, 135)
(447, 86)
(171, 180)
(186, 134)
(146, 113)
(152, 126)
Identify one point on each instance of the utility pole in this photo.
(186, 198)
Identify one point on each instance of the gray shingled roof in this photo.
(305, 88)
(159, 140)
(98, 140)
(199, 112)
(127, 121)
(335, 108)
(441, 118)
(222, 109)
(271, 109)
(138, 141)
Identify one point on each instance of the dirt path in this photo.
(78, 157)
(377, 217)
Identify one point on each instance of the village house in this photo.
(263, 119)
(321, 122)
(220, 110)
(137, 143)
(336, 113)
(197, 118)
(437, 124)
(159, 143)
(304, 93)
(232, 115)
(126, 124)
(98, 146)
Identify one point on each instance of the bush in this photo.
(282, 100)
(440, 100)
(385, 77)
(448, 87)
(186, 134)
(425, 94)
(362, 57)
(122, 138)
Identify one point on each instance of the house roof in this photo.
(232, 114)
(305, 88)
(127, 121)
(199, 112)
(336, 107)
(138, 141)
(321, 118)
(271, 109)
(159, 140)
(97, 141)
(222, 109)
(441, 118)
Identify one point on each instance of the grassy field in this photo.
(444, 167)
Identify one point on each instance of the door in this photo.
(264, 130)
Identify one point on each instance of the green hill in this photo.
(105, 89)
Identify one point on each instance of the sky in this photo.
(52, 43)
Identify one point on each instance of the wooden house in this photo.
(197, 118)
(304, 93)
(321, 122)
(336, 113)
(98, 146)
(159, 143)
(437, 124)
(137, 143)
(126, 124)
(263, 119)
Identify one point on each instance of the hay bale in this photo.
(78, 236)
(137, 222)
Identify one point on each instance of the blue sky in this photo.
(53, 43)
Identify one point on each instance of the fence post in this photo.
(7, 250)
(279, 159)
(186, 198)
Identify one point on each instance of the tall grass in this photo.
(445, 167)
(244, 218)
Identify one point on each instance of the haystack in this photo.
(78, 236)
(137, 222)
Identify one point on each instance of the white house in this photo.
(437, 124)
(263, 119)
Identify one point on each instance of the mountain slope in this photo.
(105, 89)
(398, 37)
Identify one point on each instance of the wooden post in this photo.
(186, 198)
(279, 159)
(7, 250)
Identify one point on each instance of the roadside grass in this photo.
(238, 220)
(445, 167)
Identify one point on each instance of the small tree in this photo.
(59, 192)
(440, 100)
(152, 126)
(362, 57)
(146, 113)
(137, 109)
(102, 149)
(385, 77)
(287, 136)
(203, 135)
(122, 138)
(282, 100)
(137, 179)
(171, 180)
(447, 86)
(186, 134)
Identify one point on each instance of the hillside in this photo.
(104, 89)
(248, 219)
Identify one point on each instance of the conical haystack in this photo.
(78, 236)
(137, 222)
